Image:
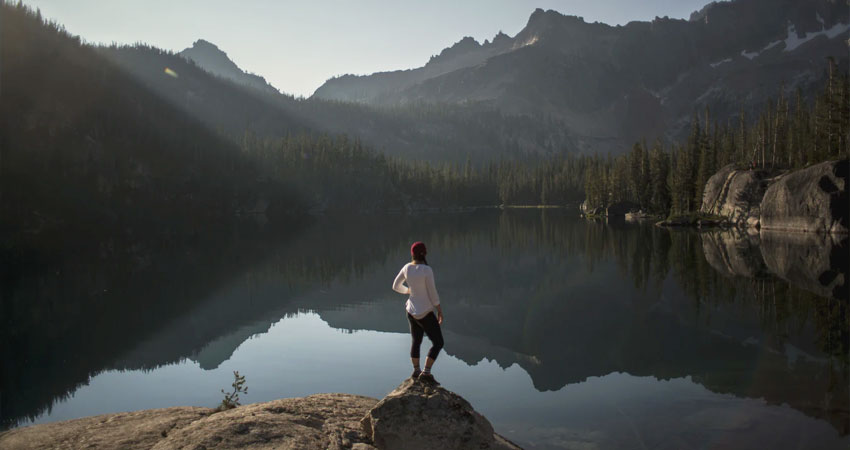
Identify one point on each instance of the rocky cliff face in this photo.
(611, 85)
(813, 199)
(734, 194)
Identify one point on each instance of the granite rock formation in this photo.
(813, 199)
(734, 194)
(421, 415)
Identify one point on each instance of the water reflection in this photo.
(565, 300)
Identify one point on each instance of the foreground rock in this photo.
(324, 421)
(132, 430)
(423, 416)
(414, 416)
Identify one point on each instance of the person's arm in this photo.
(398, 285)
(433, 296)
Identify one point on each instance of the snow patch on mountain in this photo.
(714, 65)
(793, 41)
(749, 55)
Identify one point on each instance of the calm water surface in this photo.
(564, 333)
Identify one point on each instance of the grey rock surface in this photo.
(420, 415)
(813, 199)
(734, 194)
(323, 421)
(415, 415)
(130, 430)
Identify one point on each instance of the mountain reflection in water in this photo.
(571, 303)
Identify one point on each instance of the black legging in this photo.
(427, 325)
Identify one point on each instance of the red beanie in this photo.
(418, 248)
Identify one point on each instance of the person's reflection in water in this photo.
(420, 305)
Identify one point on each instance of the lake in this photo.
(564, 333)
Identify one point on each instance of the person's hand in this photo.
(440, 317)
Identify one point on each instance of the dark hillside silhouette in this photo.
(84, 145)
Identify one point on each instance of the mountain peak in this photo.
(500, 38)
(215, 61)
(201, 43)
(540, 18)
(465, 45)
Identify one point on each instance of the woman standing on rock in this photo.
(422, 301)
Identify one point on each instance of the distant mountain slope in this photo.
(85, 146)
(219, 102)
(612, 85)
(239, 102)
(215, 61)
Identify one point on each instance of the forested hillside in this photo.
(787, 133)
(84, 145)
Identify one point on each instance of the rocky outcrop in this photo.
(415, 415)
(324, 421)
(424, 416)
(734, 194)
(813, 199)
(132, 430)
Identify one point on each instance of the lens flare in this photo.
(171, 73)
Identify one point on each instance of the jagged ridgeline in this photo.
(607, 86)
(213, 89)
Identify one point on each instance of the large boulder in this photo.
(424, 416)
(813, 199)
(734, 194)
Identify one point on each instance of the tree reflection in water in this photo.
(563, 298)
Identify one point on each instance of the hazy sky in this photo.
(297, 45)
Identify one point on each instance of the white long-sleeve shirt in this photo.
(420, 286)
